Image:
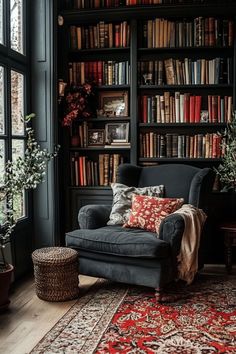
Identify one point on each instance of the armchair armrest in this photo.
(171, 231)
(93, 216)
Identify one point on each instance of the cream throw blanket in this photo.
(194, 219)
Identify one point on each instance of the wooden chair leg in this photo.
(159, 294)
(171, 293)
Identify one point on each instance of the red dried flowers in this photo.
(80, 102)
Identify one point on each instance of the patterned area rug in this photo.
(114, 318)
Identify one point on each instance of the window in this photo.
(14, 65)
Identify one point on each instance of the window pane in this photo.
(19, 205)
(17, 102)
(18, 149)
(16, 26)
(2, 164)
(2, 127)
(2, 208)
(2, 159)
(1, 23)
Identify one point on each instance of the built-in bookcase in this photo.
(170, 65)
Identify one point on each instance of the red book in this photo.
(186, 107)
(117, 36)
(81, 175)
(197, 114)
(192, 109)
(99, 72)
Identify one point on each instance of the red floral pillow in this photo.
(148, 212)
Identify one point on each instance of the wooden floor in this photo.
(29, 318)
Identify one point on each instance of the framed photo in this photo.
(114, 104)
(204, 116)
(117, 133)
(96, 137)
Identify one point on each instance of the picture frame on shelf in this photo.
(113, 104)
(116, 133)
(96, 137)
(204, 118)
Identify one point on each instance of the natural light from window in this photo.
(2, 125)
(1, 23)
(17, 103)
(16, 26)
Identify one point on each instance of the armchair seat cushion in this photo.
(119, 241)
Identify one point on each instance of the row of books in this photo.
(96, 4)
(209, 31)
(181, 146)
(185, 71)
(184, 108)
(101, 35)
(198, 72)
(102, 72)
(86, 172)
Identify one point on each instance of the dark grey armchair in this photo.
(137, 256)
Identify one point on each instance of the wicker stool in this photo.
(56, 273)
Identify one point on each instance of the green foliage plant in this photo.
(227, 169)
(21, 174)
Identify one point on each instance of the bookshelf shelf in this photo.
(100, 148)
(189, 50)
(90, 188)
(183, 125)
(147, 11)
(108, 119)
(86, 52)
(186, 87)
(113, 87)
(179, 159)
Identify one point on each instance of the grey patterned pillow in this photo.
(122, 200)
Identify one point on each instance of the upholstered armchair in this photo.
(133, 255)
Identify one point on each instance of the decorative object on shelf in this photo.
(227, 169)
(80, 102)
(61, 89)
(22, 174)
(113, 104)
(96, 137)
(117, 133)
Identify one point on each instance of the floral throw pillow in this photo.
(122, 200)
(148, 212)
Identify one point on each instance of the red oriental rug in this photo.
(115, 318)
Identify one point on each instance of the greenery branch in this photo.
(20, 174)
(227, 169)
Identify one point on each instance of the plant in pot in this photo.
(19, 175)
(227, 169)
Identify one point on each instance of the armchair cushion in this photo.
(148, 212)
(122, 200)
(115, 240)
(93, 216)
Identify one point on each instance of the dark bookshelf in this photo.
(135, 53)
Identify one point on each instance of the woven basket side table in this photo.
(56, 273)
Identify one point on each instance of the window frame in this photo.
(11, 60)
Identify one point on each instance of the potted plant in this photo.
(227, 169)
(22, 174)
